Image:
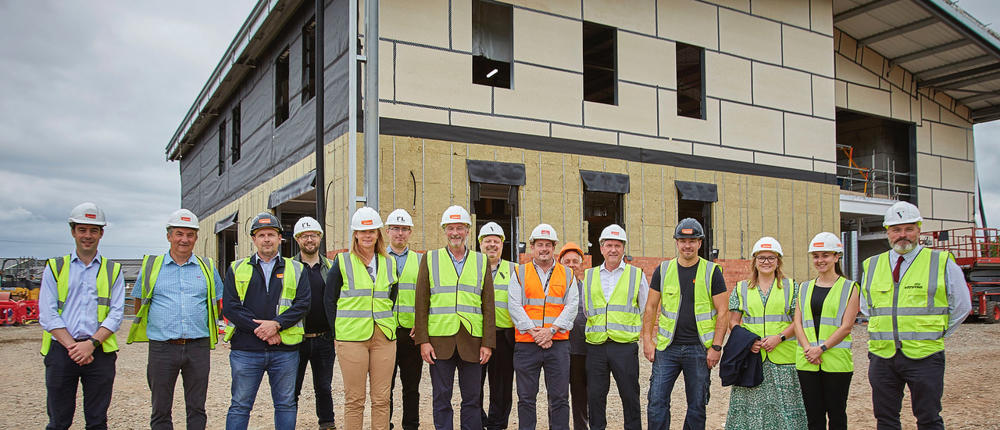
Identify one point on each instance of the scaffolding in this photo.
(887, 182)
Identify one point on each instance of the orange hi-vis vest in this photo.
(542, 308)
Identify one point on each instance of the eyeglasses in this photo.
(312, 236)
(398, 229)
(767, 259)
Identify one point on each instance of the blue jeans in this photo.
(667, 365)
(248, 369)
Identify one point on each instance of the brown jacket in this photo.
(466, 344)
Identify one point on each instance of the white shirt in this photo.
(959, 299)
(609, 278)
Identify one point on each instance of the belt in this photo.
(311, 335)
(184, 341)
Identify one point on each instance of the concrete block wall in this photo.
(868, 83)
(769, 75)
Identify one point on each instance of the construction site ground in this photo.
(970, 399)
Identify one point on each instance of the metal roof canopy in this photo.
(943, 46)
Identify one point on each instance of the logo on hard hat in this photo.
(687, 231)
(185, 218)
(614, 233)
(264, 220)
(91, 216)
(765, 245)
(546, 232)
(399, 218)
(455, 216)
(818, 244)
(366, 222)
(900, 214)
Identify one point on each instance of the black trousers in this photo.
(165, 361)
(61, 378)
(620, 360)
(500, 370)
(409, 366)
(825, 396)
(578, 391)
(925, 377)
(530, 360)
(443, 383)
(320, 353)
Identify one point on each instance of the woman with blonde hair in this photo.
(359, 301)
(764, 304)
(827, 309)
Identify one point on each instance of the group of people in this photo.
(385, 310)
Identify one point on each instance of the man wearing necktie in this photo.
(914, 298)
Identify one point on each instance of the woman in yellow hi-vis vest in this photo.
(765, 305)
(824, 317)
(360, 293)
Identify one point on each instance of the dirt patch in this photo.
(970, 400)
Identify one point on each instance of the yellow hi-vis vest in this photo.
(838, 358)
(406, 290)
(149, 272)
(364, 303)
(670, 302)
(456, 300)
(619, 317)
(910, 316)
(107, 275)
(243, 271)
(501, 282)
(771, 318)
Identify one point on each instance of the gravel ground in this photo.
(970, 400)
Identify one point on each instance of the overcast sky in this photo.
(91, 92)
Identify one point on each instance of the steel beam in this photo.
(951, 67)
(860, 10)
(931, 51)
(948, 80)
(898, 31)
(371, 104)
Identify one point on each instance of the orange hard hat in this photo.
(570, 246)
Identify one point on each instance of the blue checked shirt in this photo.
(178, 309)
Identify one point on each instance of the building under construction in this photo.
(763, 117)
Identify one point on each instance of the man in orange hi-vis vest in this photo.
(543, 311)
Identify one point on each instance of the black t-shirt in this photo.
(316, 318)
(686, 332)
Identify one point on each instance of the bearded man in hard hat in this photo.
(914, 297)
(177, 296)
(543, 312)
(500, 368)
(684, 326)
(455, 321)
(266, 297)
(317, 342)
(613, 298)
(399, 223)
(81, 305)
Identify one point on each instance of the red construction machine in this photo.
(977, 252)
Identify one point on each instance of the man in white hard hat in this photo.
(500, 368)
(684, 326)
(317, 342)
(176, 296)
(914, 298)
(614, 296)
(543, 312)
(455, 320)
(81, 305)
(399, 223)
(266, 297)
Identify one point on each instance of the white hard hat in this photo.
(613, 231)
(365, 218)
(87, 213)
(543, 231)
(183, 218)
(826, 241)
(455, 214)
(399, 217)
(902, 213)
(767, 243)
(491, 229)
(306, 223)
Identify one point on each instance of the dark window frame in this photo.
(222, 147)
(237, 140)
(281, 88)
(600, 63)
(482, 66)
(690, 68)
(308, 60)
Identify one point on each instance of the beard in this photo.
(903, 246)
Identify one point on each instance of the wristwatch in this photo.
(96, 342)
(717, 347)
(783, 338)
(553, 330)
(823, 347)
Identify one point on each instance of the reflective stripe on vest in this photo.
(456, 300)
(149, 272)
(670, 302)
(243, 271)
(501, 282)
(838, 358)
(910, 316)
(107, 275)
(770, 318)
(364, 303)
(406, 290)
(617, 318)
(543, 304)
